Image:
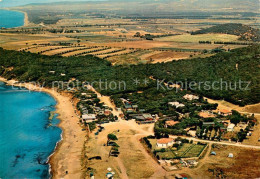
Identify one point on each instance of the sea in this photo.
(11, 19)
(28, 132)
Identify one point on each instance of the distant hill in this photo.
(244, 31)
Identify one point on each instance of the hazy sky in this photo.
(9, 3)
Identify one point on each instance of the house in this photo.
(135, 107)
(89, 117)
(176, 104)
(164, 142)
(230, 127)
(192, 133)
(107, 112)
(224, 112)
(62, 74)
(170, 123)
(208, 123)
(190, 97)
(180, 105)
(148, 116)
(203, 114)
(173, 103)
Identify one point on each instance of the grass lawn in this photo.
(186, 151)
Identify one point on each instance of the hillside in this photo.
(218, 76)
(244, 31)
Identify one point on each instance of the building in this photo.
(230, 127)
(190, 97)
(89, 117)
(170, 123)
(148, 116)
(208, 123)
(176, 104)
(135, 107)
(173, 103)
(192, 133)
(164, 142)
(107, 112)
(224, 112)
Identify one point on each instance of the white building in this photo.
(190, 97)
(164, 142)
(230, 127)
(176, 104)
(89, 117)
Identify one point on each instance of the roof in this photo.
(148, 116)
(164, 140)
(173, 103)
(89, 116)
(206, 115)
(208, 123)
(171, 123)
(225, 111)
(231, 125)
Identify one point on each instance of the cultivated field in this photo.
(201, 37)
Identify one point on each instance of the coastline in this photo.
(26, 18)
(67, 153)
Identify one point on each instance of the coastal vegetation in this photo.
(239, 64)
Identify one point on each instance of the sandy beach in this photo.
(67, 156)
(26, 19)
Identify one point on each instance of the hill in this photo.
(244, 31)
(216, 77)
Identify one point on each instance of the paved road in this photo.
(215, 142)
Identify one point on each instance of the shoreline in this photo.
(26, 21)
(67, 153)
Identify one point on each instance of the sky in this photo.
(11, 3)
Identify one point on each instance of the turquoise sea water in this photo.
(9, 19)
(27, 135)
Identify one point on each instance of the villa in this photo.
(224, 112)
(164, 142)
(190, 97)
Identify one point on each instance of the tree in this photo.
(112, 137)
(137, 34)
